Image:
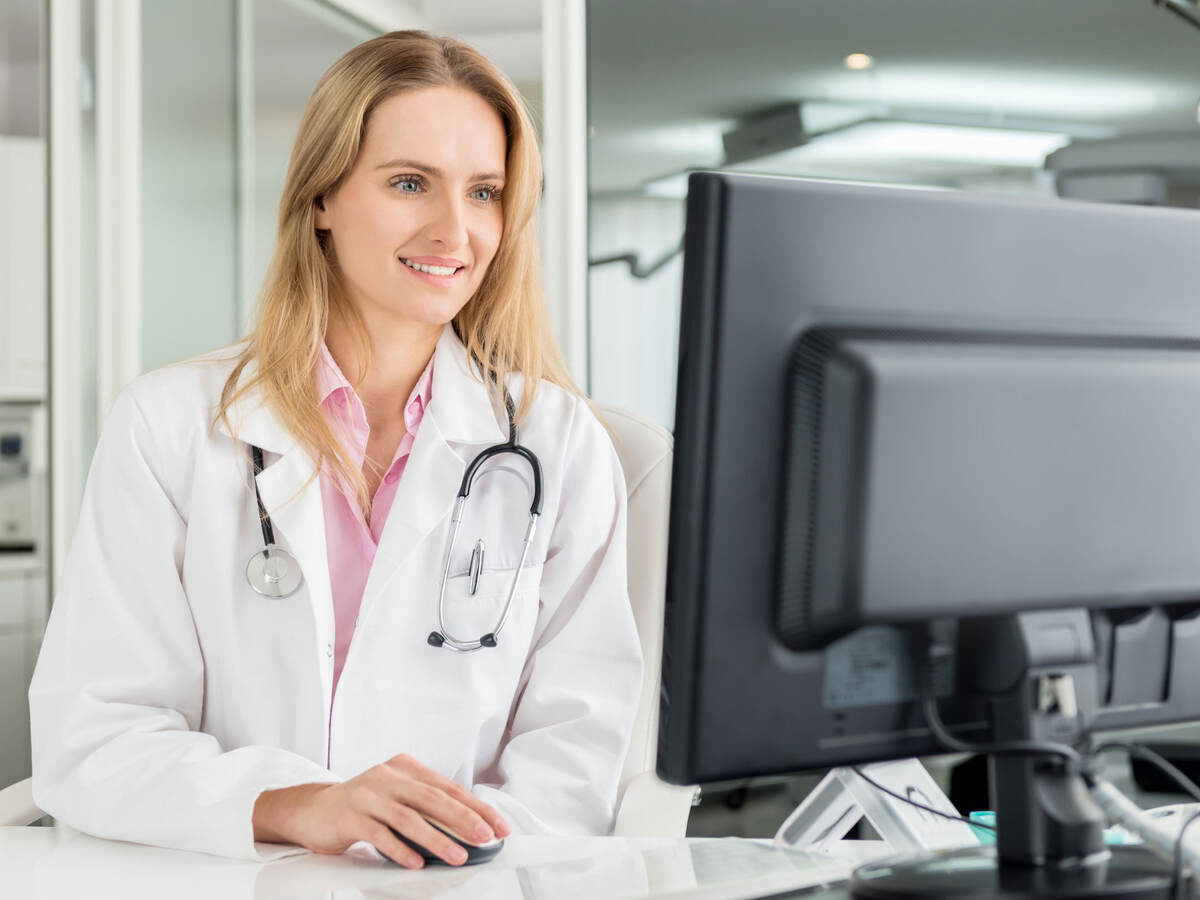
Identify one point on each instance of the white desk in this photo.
(56, 864)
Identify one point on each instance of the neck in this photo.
(400, 350)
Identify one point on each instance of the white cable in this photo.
(1158, 834)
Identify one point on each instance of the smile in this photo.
(431, 270)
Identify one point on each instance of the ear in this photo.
(322, 218)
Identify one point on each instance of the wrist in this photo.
(275, 810)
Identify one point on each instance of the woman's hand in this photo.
(401, 793)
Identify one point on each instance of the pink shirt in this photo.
(350, 540)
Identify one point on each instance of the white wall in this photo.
(633, 324)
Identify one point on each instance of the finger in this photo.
(414, 827)
(392, 847)
(481, 827)
(485, 811)
(449, 811)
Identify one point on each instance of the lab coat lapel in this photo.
(423, 498)
(292, 498)
(460, 421)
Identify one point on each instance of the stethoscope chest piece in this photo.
(273, 572)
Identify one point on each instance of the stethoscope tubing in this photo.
(271, 572)
(442, 636)
(267, 580)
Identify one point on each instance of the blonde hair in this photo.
(504, 326)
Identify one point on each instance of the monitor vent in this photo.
(801, 477)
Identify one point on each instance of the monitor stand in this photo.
(843, 797)
(1039, 670)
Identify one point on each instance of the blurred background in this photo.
(143, 145)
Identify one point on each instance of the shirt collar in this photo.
(330, 380)
(458, 401)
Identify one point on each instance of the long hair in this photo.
(504, 325)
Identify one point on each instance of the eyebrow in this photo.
(433, 171)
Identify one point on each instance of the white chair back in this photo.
(16, 804)
(648, 807)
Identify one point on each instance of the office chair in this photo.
(648, 807)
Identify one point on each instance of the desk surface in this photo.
(54, 864)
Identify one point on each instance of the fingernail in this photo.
(502, 826)
(415, 862)
(458, 856)
(483, 833)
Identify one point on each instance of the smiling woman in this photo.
(402, 332)
(438, 220)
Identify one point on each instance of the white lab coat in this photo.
(168, 694)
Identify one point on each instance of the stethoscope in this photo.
(273, 572)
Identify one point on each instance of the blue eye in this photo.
(486, 194)
(407, 184)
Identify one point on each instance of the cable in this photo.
(929, 809)
(1172, 6)
(1006, 748)
(1188, 786)
(1177, 883)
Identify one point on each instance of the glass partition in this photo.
(24, 301)
(293, 42)
(189, 179)
(223, 87)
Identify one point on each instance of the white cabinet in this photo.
(23, 295)
(22, 623)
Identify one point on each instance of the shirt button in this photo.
(329, 650)
(339, 398)
(392, 477)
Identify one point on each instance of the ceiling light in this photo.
(1027, 93)
(887, 143)
(858, 61)
(894, 151)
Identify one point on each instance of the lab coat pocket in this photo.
(474, 605)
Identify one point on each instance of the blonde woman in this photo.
(261, 635)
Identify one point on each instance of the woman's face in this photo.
(416, 222)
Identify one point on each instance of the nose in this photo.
(448, 226)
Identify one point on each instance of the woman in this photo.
(177, 701)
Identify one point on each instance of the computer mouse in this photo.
(476, 853)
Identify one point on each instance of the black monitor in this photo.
(928, 444)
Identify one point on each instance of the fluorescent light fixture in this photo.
(1052, 94)
(904, 151)
(858, 61)
(897, 143)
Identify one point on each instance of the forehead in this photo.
(449, 128)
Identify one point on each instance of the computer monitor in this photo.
(912, 421)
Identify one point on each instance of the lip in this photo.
(435, 261)
(439, 280)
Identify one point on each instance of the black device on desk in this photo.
(476, 853)
(935, 446)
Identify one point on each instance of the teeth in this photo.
(430, 270)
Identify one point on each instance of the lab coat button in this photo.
(329, 650)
